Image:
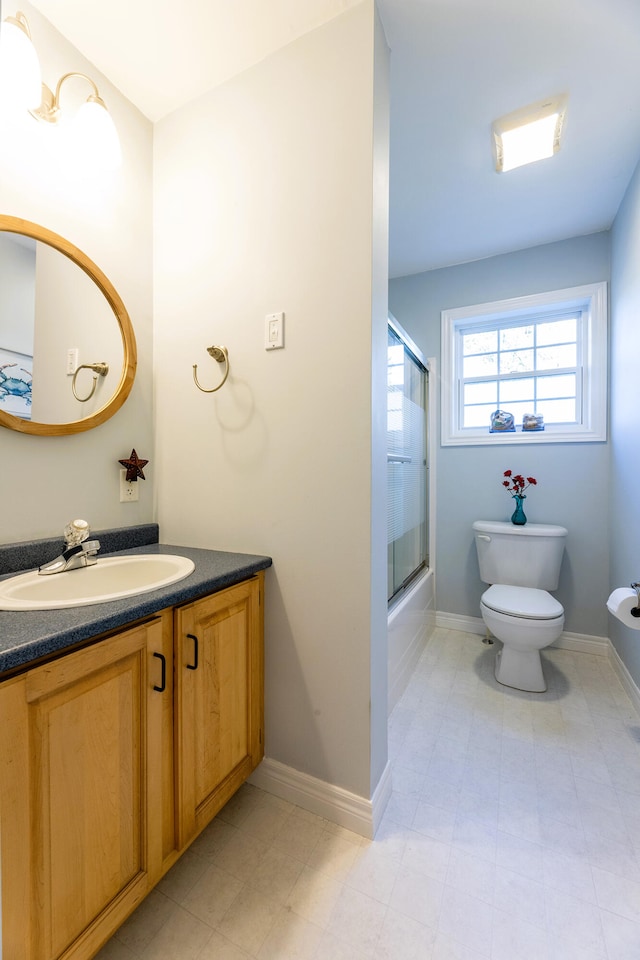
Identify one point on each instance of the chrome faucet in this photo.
(79, 550)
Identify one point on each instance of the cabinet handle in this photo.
(163, 675)
(194, 665)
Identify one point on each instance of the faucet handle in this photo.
(76, 532)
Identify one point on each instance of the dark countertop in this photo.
(29, 636)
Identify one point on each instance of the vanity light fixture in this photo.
(529, 134)
(92, 124)
(92, 127)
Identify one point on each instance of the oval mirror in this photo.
(67, 347)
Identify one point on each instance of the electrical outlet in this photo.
(128, 488)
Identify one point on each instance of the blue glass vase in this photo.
(518, 516)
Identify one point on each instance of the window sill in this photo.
(548, 435)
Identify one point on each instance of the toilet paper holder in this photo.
(635, 611)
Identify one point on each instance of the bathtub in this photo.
(410, 623)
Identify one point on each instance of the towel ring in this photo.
(100, 369)
(221, 354)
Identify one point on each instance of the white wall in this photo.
(624, 503)
(263, 202)
(572, 478)
(52, 480)
(17, 295)
(71, 312)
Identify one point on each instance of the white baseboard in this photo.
(580, 642)
(358, 814)
(584, 643)
(457, 621)
(625, 678)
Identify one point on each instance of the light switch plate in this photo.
(72, 361)
(274, 331)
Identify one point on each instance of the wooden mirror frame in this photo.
(26, 228)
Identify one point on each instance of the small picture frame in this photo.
(16, 372)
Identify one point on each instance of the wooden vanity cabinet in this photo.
(113, 758)
(80, 746)
(219, 700)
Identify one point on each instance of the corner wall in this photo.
(263, 202)
(572, 478)
(624, 502)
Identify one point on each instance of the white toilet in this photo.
(522, 564)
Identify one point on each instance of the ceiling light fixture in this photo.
(529, 134)
(92, 127)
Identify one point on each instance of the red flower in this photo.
(516, 484)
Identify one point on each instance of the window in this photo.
(407, 533)
(543, 355)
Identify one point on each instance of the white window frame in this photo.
(591, 301)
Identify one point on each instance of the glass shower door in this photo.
(407, 534)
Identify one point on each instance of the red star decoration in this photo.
(134, 466)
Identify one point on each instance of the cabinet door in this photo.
(76, 852)
(219, 700)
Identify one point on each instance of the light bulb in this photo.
(20, 77)
(95, 135)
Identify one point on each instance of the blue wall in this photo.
(625, 409)
(572, 478)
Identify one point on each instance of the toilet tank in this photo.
(528, 556)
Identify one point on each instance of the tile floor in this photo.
(513, 833)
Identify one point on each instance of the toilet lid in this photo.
(522, 602)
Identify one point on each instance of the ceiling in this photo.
(456, 65)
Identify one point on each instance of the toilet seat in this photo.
(526, 602)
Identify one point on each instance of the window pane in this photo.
(516, 361)
(481, 393)
(563, 386)
(558, 331)
(485, 365)
(515, 338)
(550, 358)
(558, 411)
(479, 416)
(486, 342)
(511, 390)
(519, 409)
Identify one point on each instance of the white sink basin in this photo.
(111, 578)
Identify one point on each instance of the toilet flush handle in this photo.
(483, 536)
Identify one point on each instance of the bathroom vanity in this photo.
(126, 726)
